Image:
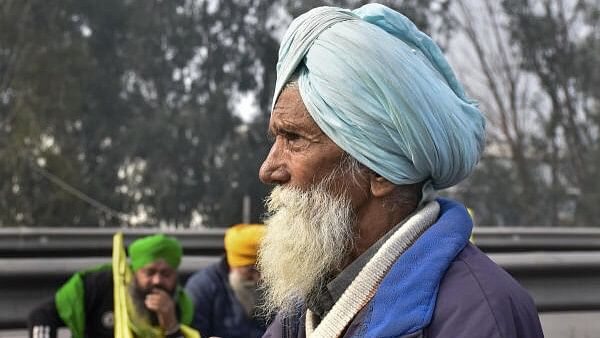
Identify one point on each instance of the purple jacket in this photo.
(476, 299)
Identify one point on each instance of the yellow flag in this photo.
(121, 278)
(188, 332)
(472, 214)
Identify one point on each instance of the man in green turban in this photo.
(154, 303)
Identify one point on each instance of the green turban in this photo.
(152, 248)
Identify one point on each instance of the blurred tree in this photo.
(45, 64)
(428, 15)
(127, 113)
(539, 62)
(121, 112)
(560, 43)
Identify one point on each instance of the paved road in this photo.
(556, 325)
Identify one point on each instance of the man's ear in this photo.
(380, 186)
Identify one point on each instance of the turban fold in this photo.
(242, 242)
(383, 92)
(150, 249)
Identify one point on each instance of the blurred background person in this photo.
(157, 305)
(226, 293)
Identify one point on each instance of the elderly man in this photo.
(368, 122)
(226, 292)
(156, 305)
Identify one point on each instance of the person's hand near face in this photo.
(160, 279)
(163, 305)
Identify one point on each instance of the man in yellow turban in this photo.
(155, 305)
(225, 293)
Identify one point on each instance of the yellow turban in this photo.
(241, 243)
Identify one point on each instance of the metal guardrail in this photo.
(511, 239)
(560, 267)
(97, 242)
(90, 242)
(557, 281)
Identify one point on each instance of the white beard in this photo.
(309, 235)
(245, 291)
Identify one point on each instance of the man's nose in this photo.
(274, 169)
(157, 279)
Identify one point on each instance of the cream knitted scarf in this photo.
(364, 286)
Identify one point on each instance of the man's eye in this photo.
(291, 136)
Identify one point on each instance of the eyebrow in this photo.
(285, 126)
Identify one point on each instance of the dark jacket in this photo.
(476, 299)
(218, 311)
(441, 286)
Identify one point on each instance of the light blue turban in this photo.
(383, 92)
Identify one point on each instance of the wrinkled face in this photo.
(158, 274)
(312, 211)
(301, 155)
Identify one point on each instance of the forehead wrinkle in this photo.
(290, 114)
(295, 119)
